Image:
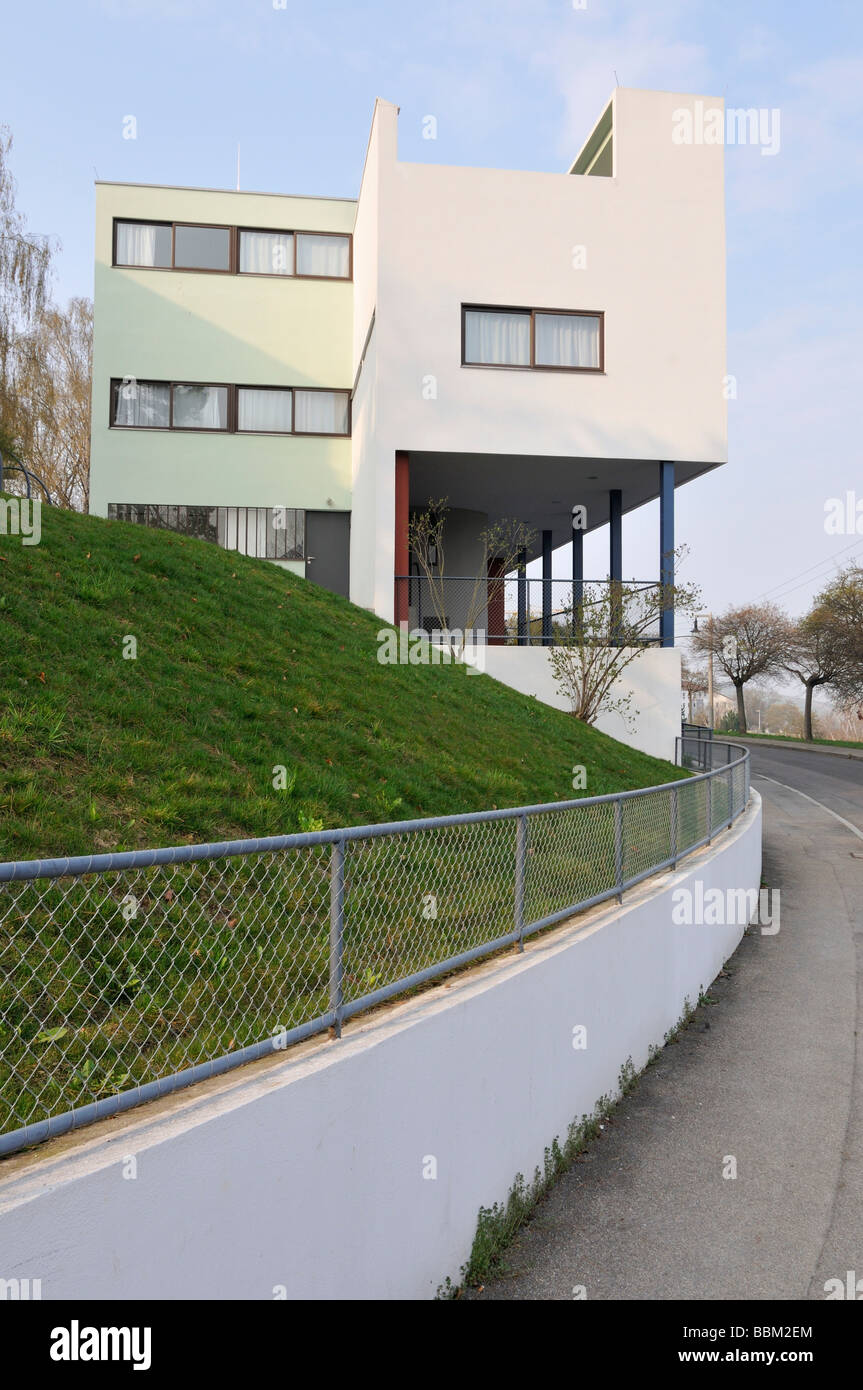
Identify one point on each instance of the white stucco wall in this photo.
(654, 242)
(653, 677)
(305, 1174)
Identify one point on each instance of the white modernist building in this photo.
(517, 343)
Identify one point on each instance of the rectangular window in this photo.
(323, 255)
(322, 412)
(202, 248)
(200, 408)
(266, 253)
(144, 405)
(187, 405)
(143, 243)
(268, 533)
(565, 340)
(232, 250)
(265, 411)
(497, 337)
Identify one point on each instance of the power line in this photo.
(818, 565)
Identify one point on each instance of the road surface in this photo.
(769, 1074)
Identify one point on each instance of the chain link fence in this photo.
(126, 976)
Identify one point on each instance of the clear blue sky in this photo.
(512, 83)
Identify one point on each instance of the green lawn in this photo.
(240, 668)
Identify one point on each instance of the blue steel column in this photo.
(521, 570)
(546, 588)
(615, 552)
(577, 578)
(666, 548)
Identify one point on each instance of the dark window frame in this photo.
(139, 222)
(277, 434)
(234, 266)
(533, 365)
(204, 269)
(330, 391)
(232, 426)
(203, 429)
(334, 279)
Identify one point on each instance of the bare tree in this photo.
(25, 267)
(840, 609)
(817, 655)
(53, 380)
(693, 681)
(607, 632)
(502, 543)
(746, 643)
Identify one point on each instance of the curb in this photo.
(853, 753)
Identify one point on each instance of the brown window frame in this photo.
(533, 365)
(245, 386)
(331, 391)
(205, 269)
(233, 408)
(268, 274)
(117, 382)
(139, 222)
(334, 279)
(234, 266)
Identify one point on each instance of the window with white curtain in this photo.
(563, 340)
(252, 251)
(142, 405)
(144, 243)
(266, 253)
(200, 407)
(497, 338)
(263, 410)
(236, 409)
(321, 412)
(567, 340)
(327, 256)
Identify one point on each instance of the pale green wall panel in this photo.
(243, 330)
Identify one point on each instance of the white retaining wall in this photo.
(305, 1176)
(652, 678)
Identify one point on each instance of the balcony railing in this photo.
(515, 611)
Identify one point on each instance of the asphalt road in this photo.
(769, 1074)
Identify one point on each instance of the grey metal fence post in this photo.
(337, 933)
(520, 869)
(674, 829)
(618, 849)
(709, 809)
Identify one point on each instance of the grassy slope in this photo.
(240, 667)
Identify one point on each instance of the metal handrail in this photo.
(28, 475)
(735, 757)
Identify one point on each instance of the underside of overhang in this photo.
(538, 490)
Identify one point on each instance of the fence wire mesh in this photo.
(134, 973)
